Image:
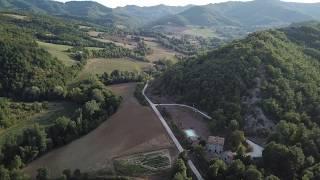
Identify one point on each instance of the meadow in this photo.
(101, 65)
(58, 51)
(45, 118)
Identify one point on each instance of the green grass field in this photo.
(160, 52)
(15, 16)
(200, 31)
(100, 65)
(58, 51)
(44, 119)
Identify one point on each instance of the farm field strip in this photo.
(58, 51)
(98, 66)
(120, 135)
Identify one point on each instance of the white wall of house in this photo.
(215, 148)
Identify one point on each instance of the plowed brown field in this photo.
(133, 129)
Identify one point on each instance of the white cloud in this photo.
(116, 3)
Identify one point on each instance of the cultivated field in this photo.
(160, 52)
(58, 51)
(15, 16)
(133, 129)
(45, 118)
(129, 45)
(200, 31)
(185, 118)
(100, 65)
(143, 163)
(93, 33)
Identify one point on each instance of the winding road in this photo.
(169, 131)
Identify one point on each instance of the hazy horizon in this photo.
(121, 3)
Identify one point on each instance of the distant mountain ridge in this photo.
(75, 8)
(151, 13)
(252, 13)
(258, 13)
(128, 15)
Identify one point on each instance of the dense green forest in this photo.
(29, 74)
(27, 71)
(283, 66)
(54, 29)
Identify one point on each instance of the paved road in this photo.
(169, 131)
(183, 105)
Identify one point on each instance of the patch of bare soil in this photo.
(133, 129)
(186, 118)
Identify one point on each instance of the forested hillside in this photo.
(33, 83)
(148, 14)
(269, 83)
(27, 71)
(84, 10)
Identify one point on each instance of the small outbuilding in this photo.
(228, 157)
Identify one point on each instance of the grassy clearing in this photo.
(15, 16)
(129, 46)
(200, 31)
(58, 51)
(94, 48)
(44, 118)
(160, 52)
(101, 65)
(94, 33)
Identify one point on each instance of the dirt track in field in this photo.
(131, 130)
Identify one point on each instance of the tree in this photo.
(58, 92)
(67, 173)
(34, 142)
(217, 169)
(282, 160)
(236, 139)
(234, 125)
(91, 107)
(236, 169)
(16, 163)
(178, 176)
(4, 173)
(272, 177)
(253, 174)
(180, 171)
(98, 96)
(42, 174)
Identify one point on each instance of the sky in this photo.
(117, 3)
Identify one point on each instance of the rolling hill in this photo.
(263, 74)
(82, 10)
(148, 14)
(269, 84)
(253, 13)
